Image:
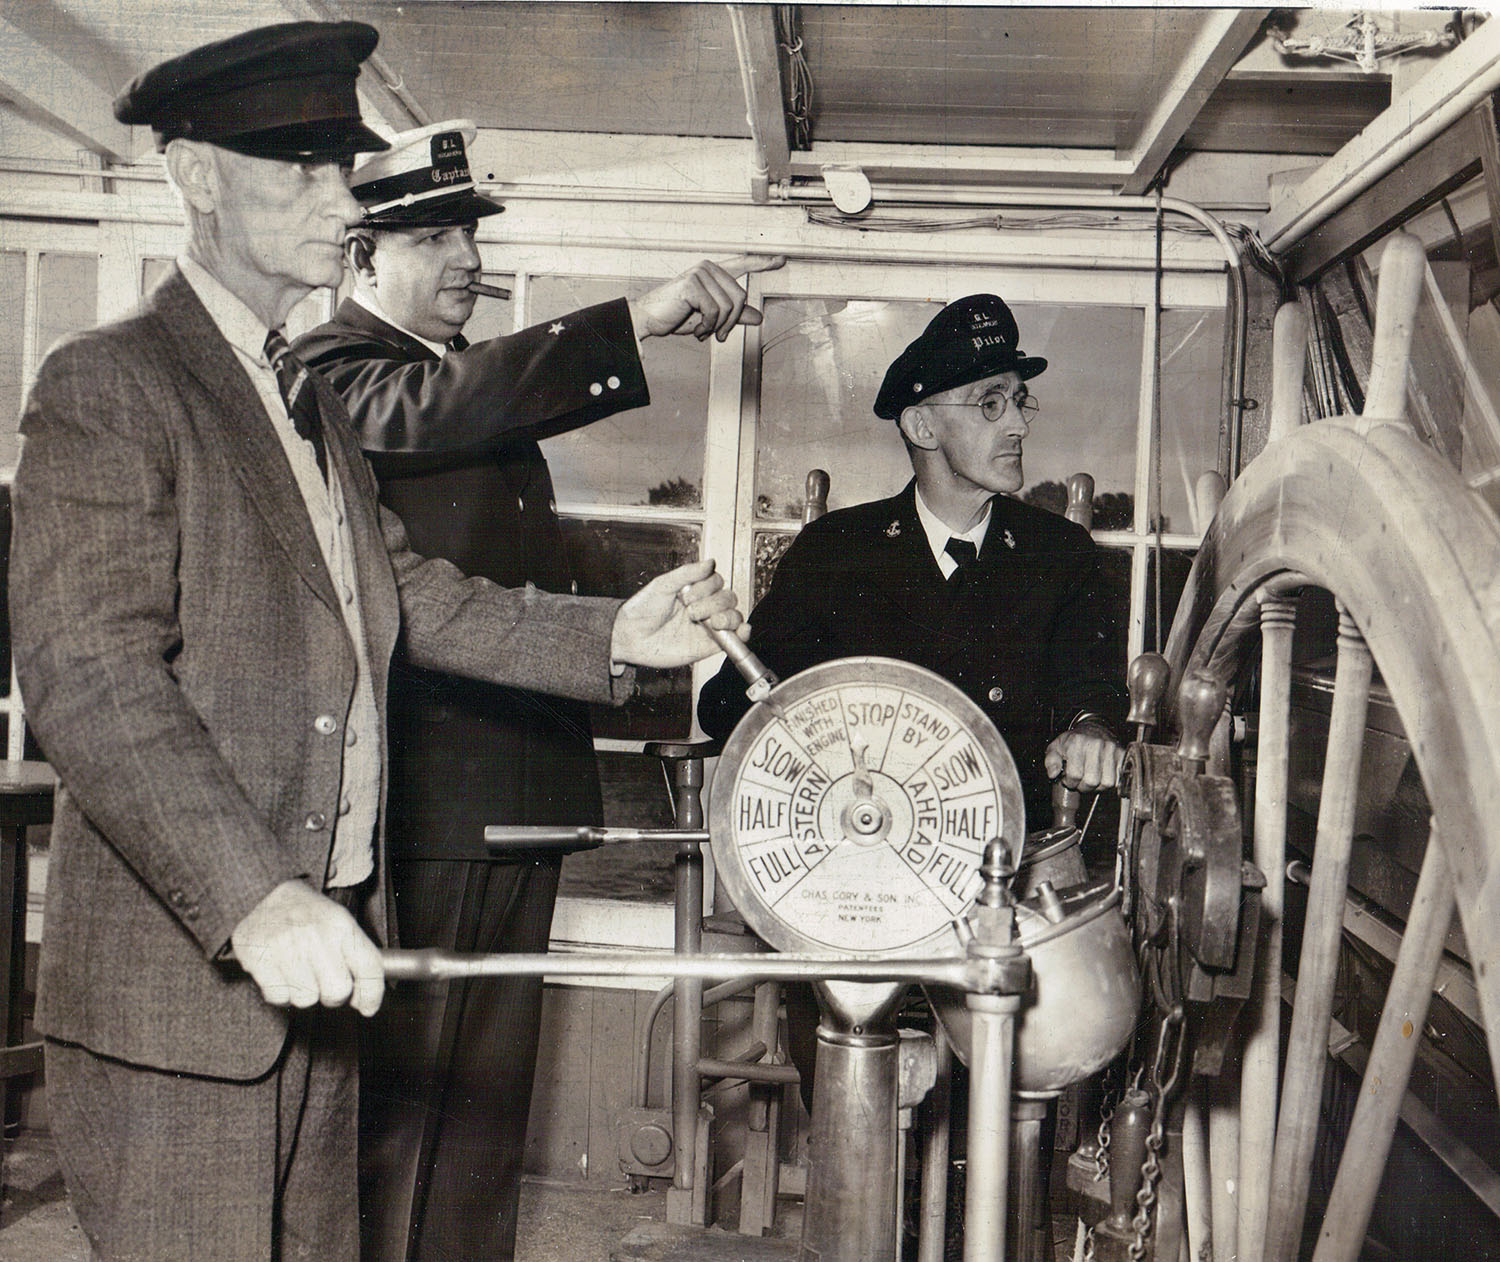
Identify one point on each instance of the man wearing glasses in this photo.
(955, 574)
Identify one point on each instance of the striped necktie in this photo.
(298, 394)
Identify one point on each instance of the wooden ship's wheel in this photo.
(1353, 533)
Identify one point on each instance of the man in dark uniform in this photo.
(954, 574)
(451, 430)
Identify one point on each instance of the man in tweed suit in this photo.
(205, 598)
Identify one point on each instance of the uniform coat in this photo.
(453, 441)
(179, 645)
(1023, 634)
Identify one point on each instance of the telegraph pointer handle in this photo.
(758, 675)
(543, 838)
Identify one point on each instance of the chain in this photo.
(1162, 1089)
(1101, 1145)
(1145, 1199)
(1112, 1078)
(1112, 1096)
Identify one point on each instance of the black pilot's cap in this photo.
(284, 92)
(969, 339)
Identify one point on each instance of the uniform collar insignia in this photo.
(1009, 539)
(557, 327)
(893, 530)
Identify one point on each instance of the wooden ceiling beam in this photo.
(1218, 44)
(966, 164)
(765, 94)
(47, 85)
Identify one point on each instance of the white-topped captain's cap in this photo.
(422, 179)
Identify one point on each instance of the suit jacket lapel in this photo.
(238, 427)
(1009, 564)
(909, 575)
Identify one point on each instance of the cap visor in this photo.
(437, 213)
(332, 140)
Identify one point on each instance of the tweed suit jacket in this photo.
(180, 648)
(1025, 635)
(453, 442)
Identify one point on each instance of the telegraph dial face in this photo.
(849, 812)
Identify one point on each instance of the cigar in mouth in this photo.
(487, 291)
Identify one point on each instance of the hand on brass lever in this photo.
(1085, 758)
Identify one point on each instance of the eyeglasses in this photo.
(993, 406)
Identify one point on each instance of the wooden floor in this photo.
(559, 1222)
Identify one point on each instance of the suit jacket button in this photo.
(997, 693)
(316, 821)
(325, 725)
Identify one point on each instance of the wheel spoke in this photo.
(1307, 1050)
(1262, 1016)
(1224, 1153)
(1396, 1039)
(1197, 1181)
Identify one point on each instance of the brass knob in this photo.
(1200, 701)
(1081, 500)
(1147, 680)
(816, 502)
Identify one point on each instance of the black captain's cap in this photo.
(422, 180)
(969, 339)
(284, 91)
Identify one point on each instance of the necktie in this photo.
(964, 553)
(298, 395)
(458, 342)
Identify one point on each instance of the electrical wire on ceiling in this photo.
(799, 80)
(1072, 219)
(899, 223)
(1363, 39)
(1253, 248)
